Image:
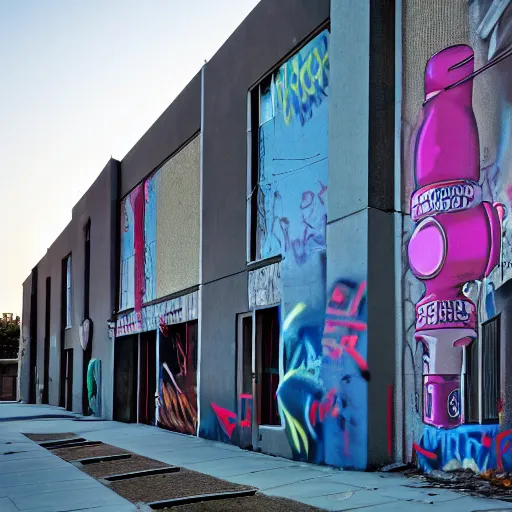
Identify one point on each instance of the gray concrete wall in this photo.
(222, 300)
(360, 235)
(177, 125)
(98, 204)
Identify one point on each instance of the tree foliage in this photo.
(9, 336)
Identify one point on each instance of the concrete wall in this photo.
(360, 235)
(177, 222)
(98, 204)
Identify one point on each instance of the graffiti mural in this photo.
(94, 386)
(458, 240)
(132, 250)
(177, 402)
(323, 394)
(293, 170)
(150, 218)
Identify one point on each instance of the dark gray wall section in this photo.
(382, 105)
(98, 204)
(263, 40)
(381, 330)
(361, 186)
(221, 302)
(180, 121)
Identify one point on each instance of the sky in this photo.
(81, 81)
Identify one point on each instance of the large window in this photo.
(490, 369)
(288, 167)
(483, 363)
(68, 291)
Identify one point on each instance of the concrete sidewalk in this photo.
(318, 486)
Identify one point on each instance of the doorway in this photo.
(244, 388)
(125, 379)
(147, 380)
(46, 367)
(178, 378)
(68, 379)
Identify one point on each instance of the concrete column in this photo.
(361, 232)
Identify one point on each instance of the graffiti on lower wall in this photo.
(94, 386)
(177, 409)
(459, 237)
(323, 394)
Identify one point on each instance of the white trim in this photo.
(240, 359)
(248, 202)
(480, 354)
(157, 359)
(254, 418)
(200, 291)
(110, 415)
(398, 391)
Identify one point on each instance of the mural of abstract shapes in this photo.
(293, 172)
(238, 432)
(178, 384)
(476, 447)
(301, 82)
(150, 219)
(127, 255)
(132, 250)
(94, 386)
(323, 394)
(458, 237)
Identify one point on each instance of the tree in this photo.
(9, 336)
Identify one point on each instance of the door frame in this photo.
(240, 359)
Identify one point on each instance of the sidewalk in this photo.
(25, 474)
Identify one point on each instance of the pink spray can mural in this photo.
(457, 235)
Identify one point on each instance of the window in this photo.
(68, 291)
(490, 369)
(471, 413)
(483, 360)
(287, 136)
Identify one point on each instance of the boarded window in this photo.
(490, 369)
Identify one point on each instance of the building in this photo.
(307, 253)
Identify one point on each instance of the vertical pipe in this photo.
(157, 358)
(398, 410)
(200, 291)
(147, 381)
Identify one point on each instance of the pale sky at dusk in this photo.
(82, 80)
